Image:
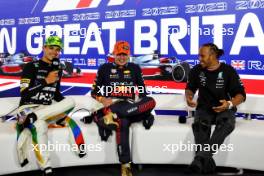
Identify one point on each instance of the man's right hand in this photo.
(189, 98)
(190, 101)
(106, 101)
(52, 77)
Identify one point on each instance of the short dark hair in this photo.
(213, 48)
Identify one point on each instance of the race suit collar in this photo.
(120, 67)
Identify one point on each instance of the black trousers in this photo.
(128, 113)
(203, 120)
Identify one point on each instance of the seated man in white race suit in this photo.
(42, 104)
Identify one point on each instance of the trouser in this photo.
(225, 124)
(129, 113)
(131, 109)
(45, 114)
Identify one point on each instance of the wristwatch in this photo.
(230, 105)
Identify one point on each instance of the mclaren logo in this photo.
(62, 5)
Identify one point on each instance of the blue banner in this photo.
(89, 29)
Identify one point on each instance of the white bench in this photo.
(147, 146)
(99, 152)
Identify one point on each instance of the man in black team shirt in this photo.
(122, 81)
(41, 103)
(220, 91)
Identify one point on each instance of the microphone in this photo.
(55, 64)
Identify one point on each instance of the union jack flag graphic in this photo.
(61, 5)
(91, 62)
(238, 64)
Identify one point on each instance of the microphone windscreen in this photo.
(55, 64)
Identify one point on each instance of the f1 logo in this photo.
(62, 5)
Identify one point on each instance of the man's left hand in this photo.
(222, 107)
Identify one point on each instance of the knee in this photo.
(151, 102)
(147, 104)
(147, 98)
(203, 125)
(226, 124)
(69, 102)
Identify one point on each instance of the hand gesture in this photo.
(106, 101)
(190, 102)
(52, 77)
(224, 106)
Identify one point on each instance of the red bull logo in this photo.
(62, 5)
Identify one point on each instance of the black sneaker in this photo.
(209, 166)
(196, 166)
(25, 162)
(148, 121)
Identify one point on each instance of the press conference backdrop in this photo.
(173, 28)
